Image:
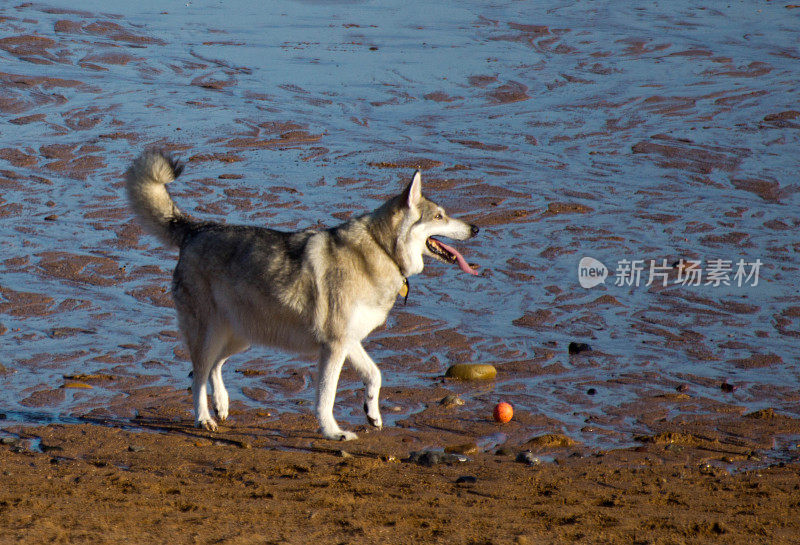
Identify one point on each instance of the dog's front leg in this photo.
(331, 359)
(371, 376)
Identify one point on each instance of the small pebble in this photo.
(577, 348)
(682, 388)
(467, 479)
(425, 458)
(344, 454)
(706, 469)
(465, 448)
(527, 457)
(591, 391)
(728, 388)
(135, 448)
(451, 458)
(49, 448)
(451, 400)
(431, 458)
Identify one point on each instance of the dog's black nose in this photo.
(474, 229)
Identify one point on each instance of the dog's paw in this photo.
(374, 421)
(207, 424)
(221, 407)
(340, 435)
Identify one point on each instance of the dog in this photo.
(317, 292)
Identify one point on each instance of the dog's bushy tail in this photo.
(145, 183)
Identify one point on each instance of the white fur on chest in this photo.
(366, 318)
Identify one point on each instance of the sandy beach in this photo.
(657, 145)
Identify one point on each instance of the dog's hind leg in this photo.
(220, 396)
(371, 376)
(206, 344)
(201, 367)
(331, 359)
(194, 333)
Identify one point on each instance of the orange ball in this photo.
(503, 412)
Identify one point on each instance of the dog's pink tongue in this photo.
(462, 263)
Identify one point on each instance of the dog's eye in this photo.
(438, 216)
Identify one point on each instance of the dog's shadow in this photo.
(301, 435)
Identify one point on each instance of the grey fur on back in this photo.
(282, 284)
(302, 280)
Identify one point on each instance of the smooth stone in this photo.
(451, 400)
(466, 448)
(527, 457)
(450, 458)
(551, 440)
(425, 458)
(471, 371)
(577, 348)
(78, 385)
(49, 448)
(432, 458)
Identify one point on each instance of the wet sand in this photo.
(98, 484)
(663, 134)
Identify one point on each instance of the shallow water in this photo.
(663, 133)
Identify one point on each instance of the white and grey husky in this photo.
(317, 292)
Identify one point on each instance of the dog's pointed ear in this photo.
(413, 192)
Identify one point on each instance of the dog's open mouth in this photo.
(448, 254)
